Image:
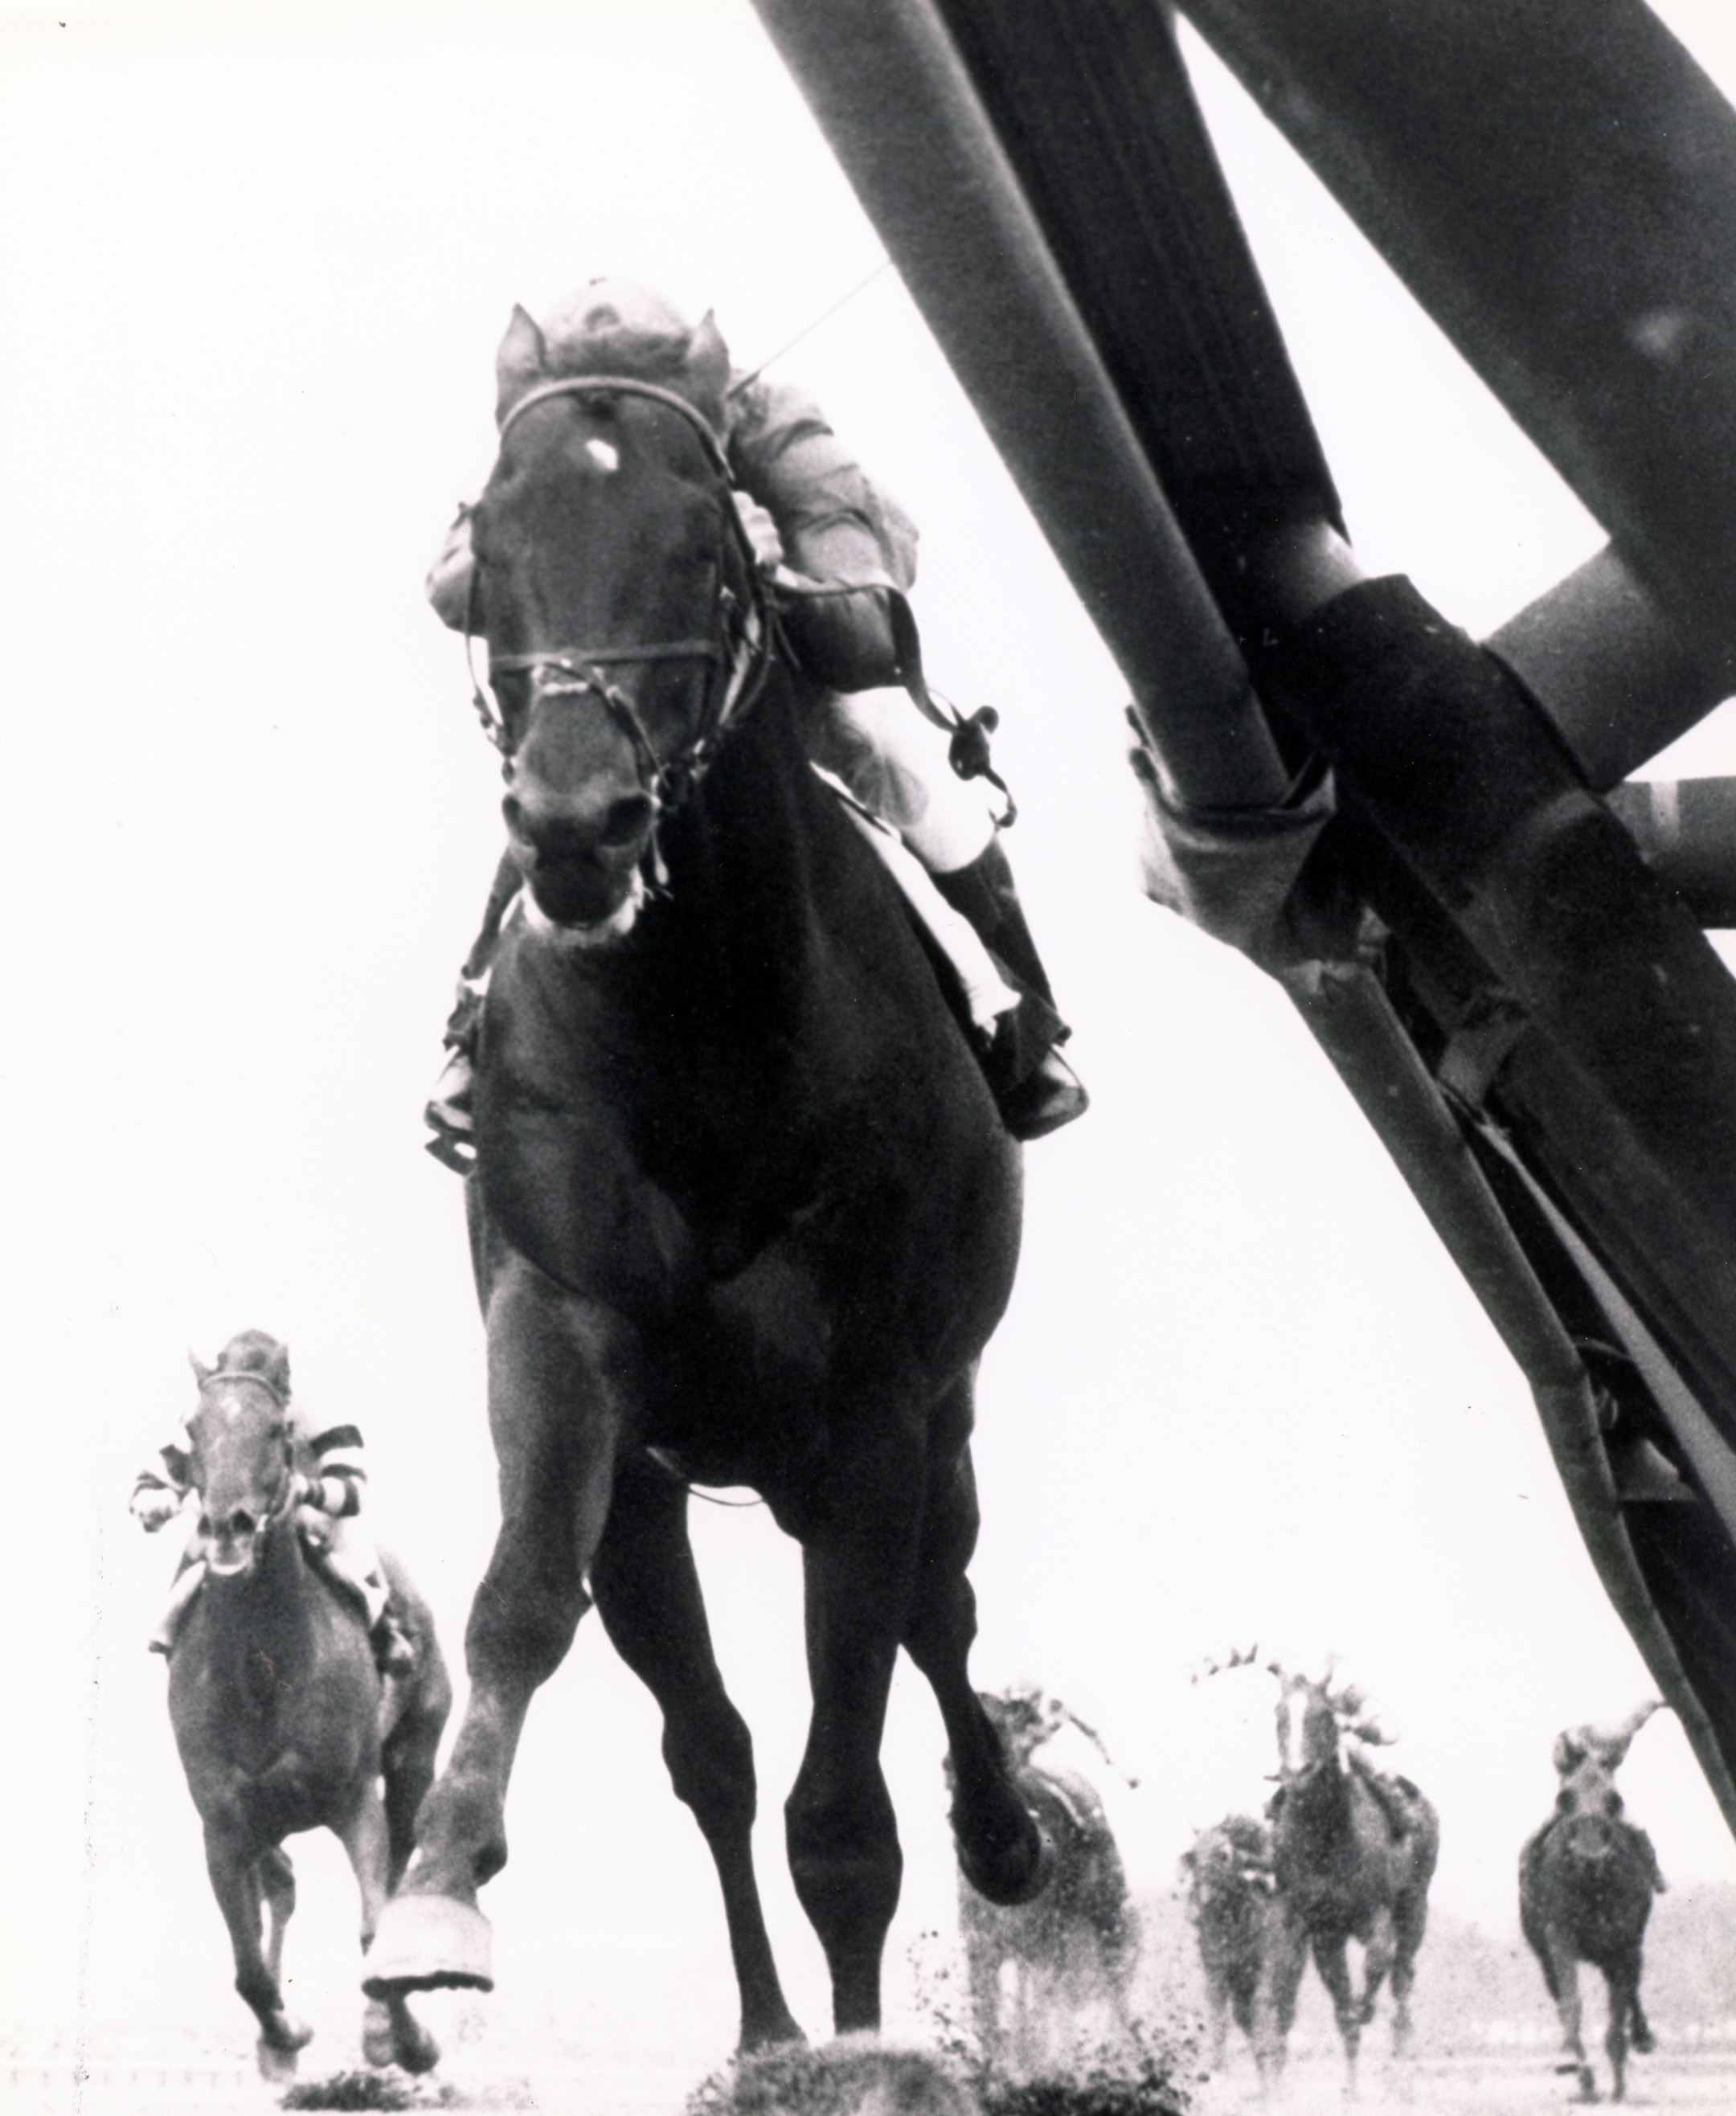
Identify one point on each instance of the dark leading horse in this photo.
(279, 1714)
(741, 1198)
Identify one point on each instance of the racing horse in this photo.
(1587, 1879)
(1353, 1853)
(1042, 1974)
(743, 1210)
(281, 1717)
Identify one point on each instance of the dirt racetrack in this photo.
(198, 2080)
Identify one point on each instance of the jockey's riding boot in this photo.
(1036, 1089)
(186, 1585)
(449, 1114)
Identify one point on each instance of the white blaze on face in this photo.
(1290, 1720)
(604, 454)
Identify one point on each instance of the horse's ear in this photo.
(521, 363)
(200, 1369)
(706, 371)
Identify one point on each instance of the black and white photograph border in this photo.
(256, 260)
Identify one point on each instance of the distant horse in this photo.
(1038, 1972)
(743, 1212)
(1228, 1874)
(1586, 1884)
(1353, 1853)
(280, 1716)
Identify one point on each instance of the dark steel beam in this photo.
(888, 88)
(1557, 184)
(1617, 678)
(1092, 105)
(1662, 1606)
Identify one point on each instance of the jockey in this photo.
(328, 1503)
(814, 520)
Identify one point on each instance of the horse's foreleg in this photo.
(559, 1378)
(983, 1972)
(1218, 2024)
(1379, 1952)
(277, 1888)
(1000, 1849)
(1644, 2041)
(1623, 1978)
(1330, 1959)
(843, 1839)
(408, 1753)
(390, 2035)
(1564, 1976)
(238, 1877)
(1283, 1955)
(648, 1596)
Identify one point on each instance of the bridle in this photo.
(739, 648)
(284, 1503)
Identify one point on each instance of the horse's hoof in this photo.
(402, 2040)
(379, 2045)
(1011, 1878)
(429, 1943)
(417, 2051)
(276, 2053)
(774, 2032)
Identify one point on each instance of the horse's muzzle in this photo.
(227, 1556)
(582, 868)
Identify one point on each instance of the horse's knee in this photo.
(526, 1631)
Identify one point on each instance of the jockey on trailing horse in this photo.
(328, 1503)
(839, 556)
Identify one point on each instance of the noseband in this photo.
(741, 645)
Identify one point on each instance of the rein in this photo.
(577, 672)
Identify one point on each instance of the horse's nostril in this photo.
(626, 819)
(513, 810)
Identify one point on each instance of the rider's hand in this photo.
(151, 1509)
(761, 530)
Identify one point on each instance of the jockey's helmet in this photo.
(618, 323)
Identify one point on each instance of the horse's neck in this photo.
(264, 1622)
(741, 872)
(1321, 1801)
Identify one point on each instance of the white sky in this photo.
(256, 261)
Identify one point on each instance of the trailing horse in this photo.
(1586, 1884)
(280, 1714)
(1040, 1972)
(1228, 1874)
(743, 1210)
(1353, 1853)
